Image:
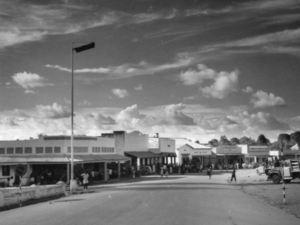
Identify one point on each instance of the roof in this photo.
(143, 154)
(181, 142)
(295, 147)
(153, 143)
(62, 159)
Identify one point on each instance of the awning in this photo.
(168, 154)
(47, 159)
(143, 155)
(53, 159)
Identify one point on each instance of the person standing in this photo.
(209, 171)
(233, 175)
(85, 182)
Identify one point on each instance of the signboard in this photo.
(20, 170)
(229, 150)
(201, 152)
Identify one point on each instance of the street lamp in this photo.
(77, 50)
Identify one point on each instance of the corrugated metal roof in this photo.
(181, 142)
(62, 158)
(143, 154)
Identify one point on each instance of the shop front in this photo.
(258, 154)
(228, 156)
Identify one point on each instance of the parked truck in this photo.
(289, 171)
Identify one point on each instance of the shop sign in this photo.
(201, 152)
(229, 150)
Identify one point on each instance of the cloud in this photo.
(30, 80)
(29, 92)
(85, 103)
(248, 89)
(192, 77)
(261, 99)
(54, 112)
(224, 84)
(130, 70)
(139, 87)
(102, 119)
(121, 93)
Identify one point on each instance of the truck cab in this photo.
(289, 171)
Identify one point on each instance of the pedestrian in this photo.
(233, 175)
(85, 177)
(209, 171)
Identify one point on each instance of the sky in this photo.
(197, 69)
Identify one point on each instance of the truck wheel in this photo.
(276, 179)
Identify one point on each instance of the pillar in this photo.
(68, 172)
(138, 163)
(105, 171)
(27, 174)
(119, 170)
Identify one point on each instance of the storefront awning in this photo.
(168, 154)
(143, 155)
(53, 159)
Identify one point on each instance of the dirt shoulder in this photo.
(255, 185)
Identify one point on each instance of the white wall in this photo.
(136, 141)
(167, 145)
(64, 144)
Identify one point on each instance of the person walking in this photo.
(209, 171)
(233, 175)
(85, 182)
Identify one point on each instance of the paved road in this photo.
(185, 200)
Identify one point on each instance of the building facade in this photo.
(51, 156)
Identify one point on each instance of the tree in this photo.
(234, 141)
(262, 140)
(244, 140)
(296, 137)
(283, 141)
(224, 141)
(214, 142)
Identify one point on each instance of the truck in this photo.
(289, 171)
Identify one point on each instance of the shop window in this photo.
(2, 150)
(57, 150)
(48, 150)
(28, 150)
(10, 151)
(39, 150)
(19, 150)
(96, 149)
(79, 149)
(5, 171)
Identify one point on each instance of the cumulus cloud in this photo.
(121, 93)
(261, 99)
(192, 77)
(102, 119)
(248, 89)
(30, 80)
(54, 111)
(139, 87)
(224, 84)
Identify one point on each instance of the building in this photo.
(164, 147)
(50, 156)
(230, 154)
(258, 153)
(134, 145)
(191, 150)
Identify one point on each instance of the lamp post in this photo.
(77, 50)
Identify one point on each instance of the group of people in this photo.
(233, 173)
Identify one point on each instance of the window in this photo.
(10, 150)
(48, 150)
(2, 150)
(28, 150)
(19, 150)
(96, 149)
(79, 149)
(39, 150)
(57, 150)
(107, 149)
(5, 171)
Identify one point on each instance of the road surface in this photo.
(186, 200)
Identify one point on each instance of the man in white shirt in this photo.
(85, 177)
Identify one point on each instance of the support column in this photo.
(119, 170)
(28, 174)
(138, 163)
(68, 172)
(105, 171)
